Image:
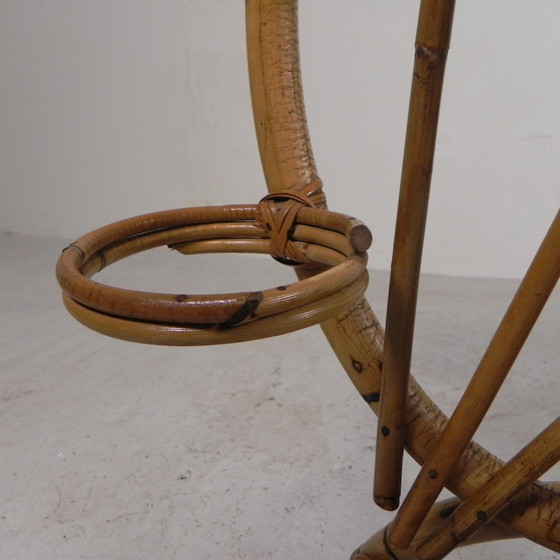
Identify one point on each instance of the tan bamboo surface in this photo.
(433, 36)
(353, 331)
(531, 462)
(529, 300)
(277, 96)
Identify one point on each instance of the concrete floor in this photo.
(113, 450)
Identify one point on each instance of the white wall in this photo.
(110, 108)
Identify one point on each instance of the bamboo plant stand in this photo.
(494, 500)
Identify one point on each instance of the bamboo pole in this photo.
(432, 43)
(502, 351)
(530, 463)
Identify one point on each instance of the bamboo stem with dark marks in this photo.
(519, 319)
(432, 43)
(480, 508)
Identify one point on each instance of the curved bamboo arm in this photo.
(276, 94)
(356, 335)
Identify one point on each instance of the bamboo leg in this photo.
(529, 464)
(432, 43)
(510, 336)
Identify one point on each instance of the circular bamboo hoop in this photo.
(328, 240)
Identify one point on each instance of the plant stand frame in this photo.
(327, 251)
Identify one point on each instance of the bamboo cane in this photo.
(192, 335)
(277, 95)
(527, 465)
(502, 351)
(432, 43)
(288, 163)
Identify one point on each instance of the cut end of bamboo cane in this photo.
(360, 237)
(388, 503)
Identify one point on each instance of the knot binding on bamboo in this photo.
(334, 242)
(277, 213)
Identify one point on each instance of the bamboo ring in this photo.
(329, 240)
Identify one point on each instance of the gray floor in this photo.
(113, 450)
